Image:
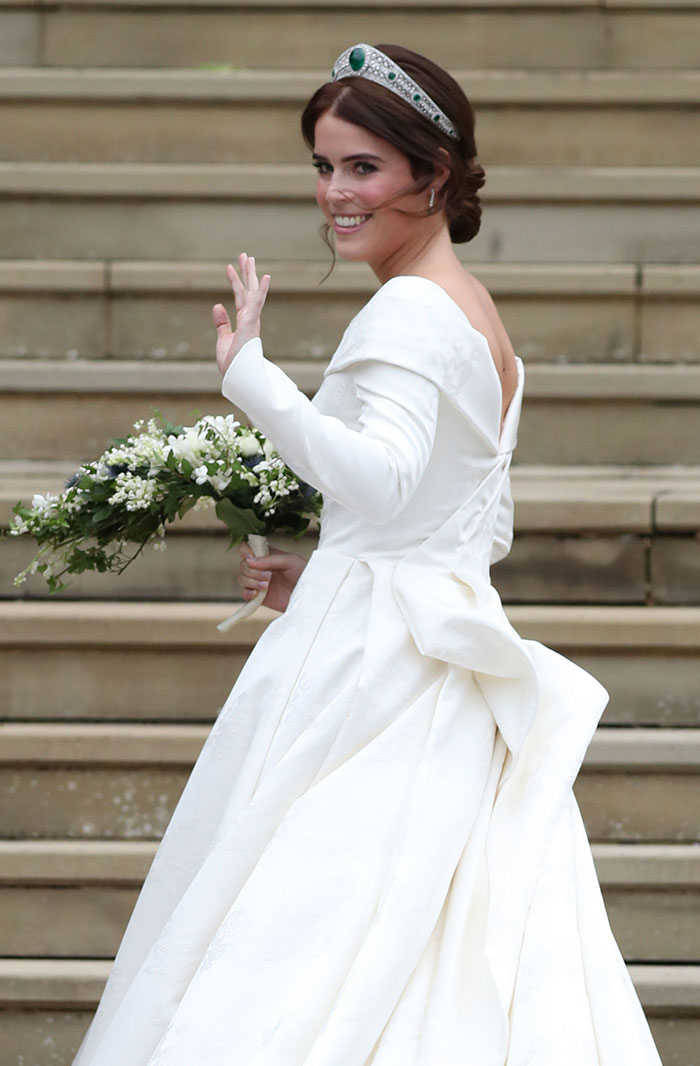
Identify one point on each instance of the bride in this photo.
(378, 858)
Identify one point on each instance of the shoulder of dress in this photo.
(409, 322)
(405, 294)
(404, 324)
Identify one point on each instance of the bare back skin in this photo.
(475, 300)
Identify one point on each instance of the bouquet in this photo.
(147, 480)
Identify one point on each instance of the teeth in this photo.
(350, 220)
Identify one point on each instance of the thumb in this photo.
(273, 561)
(221, 319)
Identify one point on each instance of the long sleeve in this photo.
(373, 470)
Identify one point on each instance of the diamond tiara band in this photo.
(364, 61)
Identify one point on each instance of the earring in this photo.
(432, 200)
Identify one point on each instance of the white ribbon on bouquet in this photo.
(260, 547)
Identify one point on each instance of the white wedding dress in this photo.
(378, 859)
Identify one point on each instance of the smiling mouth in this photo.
(349, 223)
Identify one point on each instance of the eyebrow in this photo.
(350, 158)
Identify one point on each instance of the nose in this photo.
(337, 198)
(336, 195)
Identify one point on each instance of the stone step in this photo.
(212, 211)
(63, 660)
(46, 1006)
(597, 414)
(203, 116)
(567, 312)
(89, 887)
(615, 535)
(561, 499)
(652, 34)
(86, 780)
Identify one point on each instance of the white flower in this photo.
(268, 448)
(248, 444)
(222, 423)
(41, 503)
(189, 446)
(135, 492)
(219, 481)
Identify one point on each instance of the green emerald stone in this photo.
(436, 118)
(416, 97)
(357, 58)
(391, 75)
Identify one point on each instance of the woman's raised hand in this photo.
(279, 572)
(249, 294)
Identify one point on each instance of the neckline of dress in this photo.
(465, 318)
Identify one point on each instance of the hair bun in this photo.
(463, 207)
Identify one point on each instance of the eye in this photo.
(319, 165)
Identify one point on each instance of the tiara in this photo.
(364, 61)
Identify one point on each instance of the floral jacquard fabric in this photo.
(378, 858)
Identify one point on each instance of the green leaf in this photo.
(168, 428)
(102, 512)
(170, 510)
(240, 521)
(187, 505)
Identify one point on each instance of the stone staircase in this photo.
(143, 146)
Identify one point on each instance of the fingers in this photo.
(239, 289)
(255, 583)
(250, 568)
(252, 580)
(260, 568)
(248, 284)
(250, 573)
(251, 276)
(241, 285)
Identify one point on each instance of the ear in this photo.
(442, 170)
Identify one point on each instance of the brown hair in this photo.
(379, 110)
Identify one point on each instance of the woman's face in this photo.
(357, 170)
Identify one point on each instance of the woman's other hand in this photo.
(249, 294)
(278, 572)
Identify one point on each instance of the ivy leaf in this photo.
(171, 504)
(170, 429)
(240, 521)
(187, 505)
